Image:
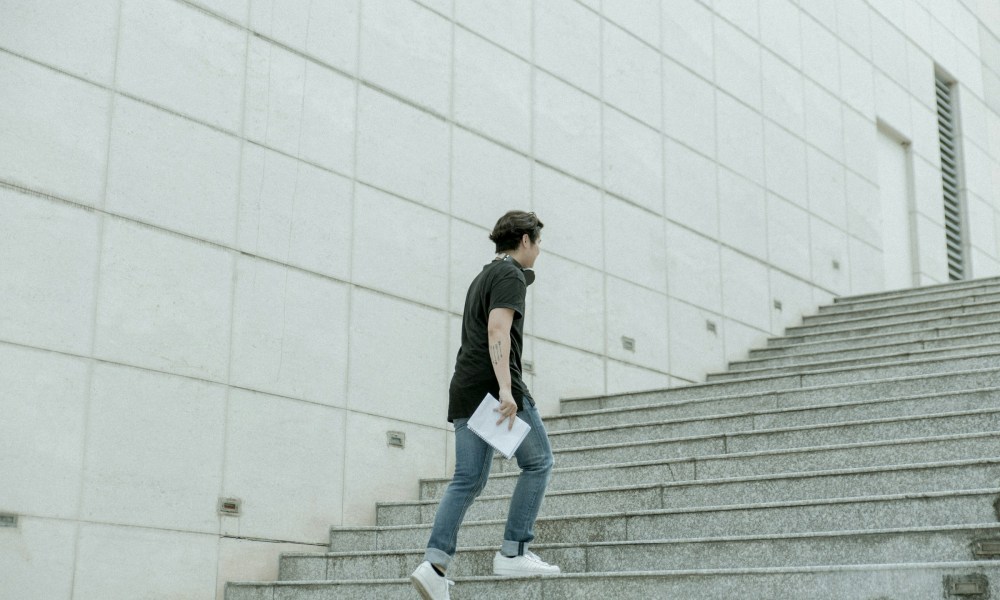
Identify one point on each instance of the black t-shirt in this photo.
(500, 284)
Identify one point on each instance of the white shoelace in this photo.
(533, 556)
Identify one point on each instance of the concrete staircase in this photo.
(857, 457)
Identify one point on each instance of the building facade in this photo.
(235, 235)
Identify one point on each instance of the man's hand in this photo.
(507, 408)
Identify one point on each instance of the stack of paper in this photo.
(483, 423)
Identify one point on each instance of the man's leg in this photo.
(473, 459)
(534, 457)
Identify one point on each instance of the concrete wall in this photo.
(235, 236)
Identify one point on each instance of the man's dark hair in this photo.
(512, 226)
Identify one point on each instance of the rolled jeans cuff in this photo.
(509, 548)
(437, 557)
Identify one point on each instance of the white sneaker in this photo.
(430, 585)
(522, 566)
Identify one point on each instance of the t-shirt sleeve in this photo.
(508, 292)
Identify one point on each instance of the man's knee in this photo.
(471, 482)
(543, 465)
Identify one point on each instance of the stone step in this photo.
(840, 312)
(736, 426)
(952, 287)
(930, 509)
(771, 410)
(902, 367)
(879, 350)
(649, 495)
(713, 415)
(845, 306)
(791, 390)
(798, 336)
(778, 346)
(748, 464)
(913, 581)
(904, 545)
(649, 447)
(855, 362)
(917, 316)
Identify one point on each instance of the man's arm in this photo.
(498, 334)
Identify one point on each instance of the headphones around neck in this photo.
(529, 274)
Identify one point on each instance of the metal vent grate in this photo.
(953, 217)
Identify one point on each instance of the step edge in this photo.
(768, 477)
(702, 509)
(801, 330)
(903, 353)
(642, 407)
(766, 393)
(815, 426)
(923, 361)
(844, 307)
(753, 454)
(957, 301)
(867, 567)
(960, 527)
(873, 336)
(933, 288)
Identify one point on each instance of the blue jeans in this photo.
(473, 459)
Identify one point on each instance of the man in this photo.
(489, 361)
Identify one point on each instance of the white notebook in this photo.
(483, 423)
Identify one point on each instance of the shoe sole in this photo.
(417, 583)
(523, 573)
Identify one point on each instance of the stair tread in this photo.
(794, 334)
(752, 454)
(837, 425)
(681, 572)
(880, 337)
(724, 416)
(768, 477)
(989, 527)
(972, 296)
(706, 509)
(732, 395)
(919, 291)
(934, 298)
(751, 413)
(900, 363)
(897, 358)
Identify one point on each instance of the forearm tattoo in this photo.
(496, 353)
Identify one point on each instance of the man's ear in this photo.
(525, 240)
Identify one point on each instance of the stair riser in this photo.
(778, 348)
(735, 426)
(923, 368)
(989, 308)
(890, 309)
(856, 549)
(879, 585)
(951, 290)
(864, 432)
(890, 582)
(854, 363)
(880, 351)
(883, 514)
(660, 449)
(635, 432)
(789, 394)
(798, 336)
(745, 466)
(593, 501)
(770, 419)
